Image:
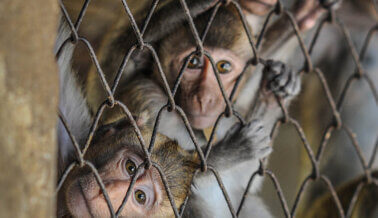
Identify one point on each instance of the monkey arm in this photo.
(252, 141)
(72, 105)
(278, 82)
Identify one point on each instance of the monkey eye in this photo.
(195, 62)
(224, 67)
(130, 167)
(140, 197)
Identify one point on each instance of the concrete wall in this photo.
(28, 96)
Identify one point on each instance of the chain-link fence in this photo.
(315, 157)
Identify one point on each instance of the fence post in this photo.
(28, 96)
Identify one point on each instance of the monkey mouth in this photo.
(202, 121)
(202, 115)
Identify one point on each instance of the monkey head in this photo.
(116, 153)
(226, 43)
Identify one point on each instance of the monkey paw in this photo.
(281, 80)
(252, 140)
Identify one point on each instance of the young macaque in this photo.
(117, 155)
(198, 94)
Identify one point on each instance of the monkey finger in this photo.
(309, 21)
(252, 128)
(263, 152)
(291, 87)
(280, 82)
(296, 85)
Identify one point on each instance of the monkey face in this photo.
(85, 198)
(118, 156)
(200, 95)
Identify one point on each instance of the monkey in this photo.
(198, 115)
(116, 153)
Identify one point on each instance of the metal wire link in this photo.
(335, 106)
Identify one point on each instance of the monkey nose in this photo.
(204, 102)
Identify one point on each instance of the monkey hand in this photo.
(241, 143)
(280, 80)
(258, 7)
(307, 13)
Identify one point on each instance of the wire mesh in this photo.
(315, 157)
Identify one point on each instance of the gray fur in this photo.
(72, 103)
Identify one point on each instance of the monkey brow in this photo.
(131, 145)
(106, 154)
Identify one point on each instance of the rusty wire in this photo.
(335, 124)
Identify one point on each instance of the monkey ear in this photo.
(107, 130)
